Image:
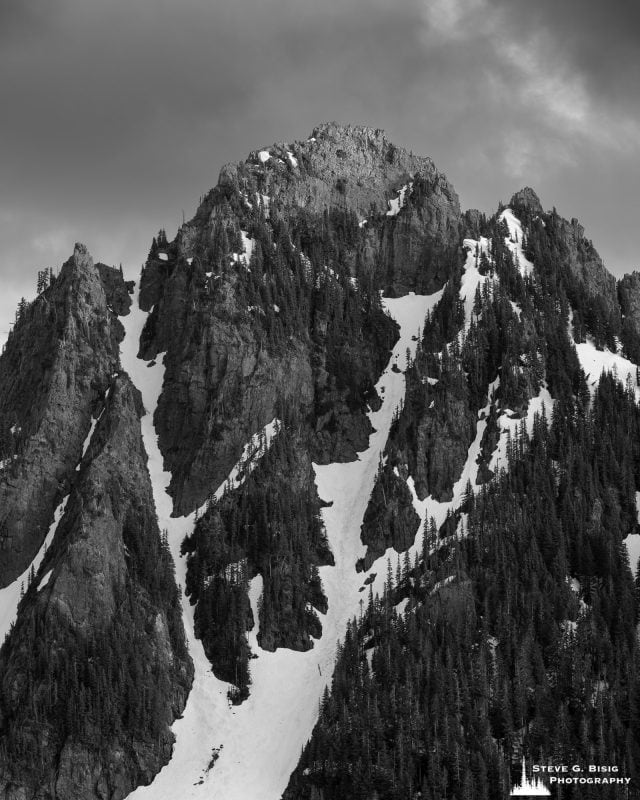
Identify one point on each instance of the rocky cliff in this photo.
(95, 669)
(56, 367)
(267, 299)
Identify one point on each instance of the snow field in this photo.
(594, 362)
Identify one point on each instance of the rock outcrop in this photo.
(268, 298)
(96, 668)
(390, 519)
(56, 367)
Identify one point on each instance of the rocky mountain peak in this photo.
(80, 262)
(350, 166)
(528, 199)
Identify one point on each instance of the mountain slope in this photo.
(510, 628)
(94, 669)
(368, 432)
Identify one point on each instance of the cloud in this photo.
(118, 115)
(529, 76)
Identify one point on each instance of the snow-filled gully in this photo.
(259, 742)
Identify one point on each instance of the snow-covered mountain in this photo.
(349, 471)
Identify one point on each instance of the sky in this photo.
(117, 117)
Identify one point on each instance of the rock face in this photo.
(629, 293)
(568, 247)
(268, 299)
(390, 519)
(526, 200)
(56, 366)
(442, 439)
(95, 669)
(408, 212)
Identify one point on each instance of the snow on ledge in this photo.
(395, 204)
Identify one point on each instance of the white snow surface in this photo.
(292, 159)
(253, 451)
(44, 580)
(163, 256)
(508, 426)
(261, 739)
(594, 362)
(247, 247)
(471, 278)
(396, 203)
(514, 242)
(264, 156)
(87, 441)
(633, 541)
(10, 595)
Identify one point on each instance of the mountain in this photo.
(350, 472)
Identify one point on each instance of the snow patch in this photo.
(401, 607)
(44, 580)
(632, 541)
(514, 241)
(247, 248)
(292, 159)
(471, 278)
(440, 584)
(256, 586)
(509, 426)
(594, 362)
(163, 256)
(395, 204)
(264, 156)
(252, 452)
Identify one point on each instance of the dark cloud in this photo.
(117, 116)
(600, 38)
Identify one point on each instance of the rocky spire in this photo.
(527, 198)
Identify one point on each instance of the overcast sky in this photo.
(117, 116)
